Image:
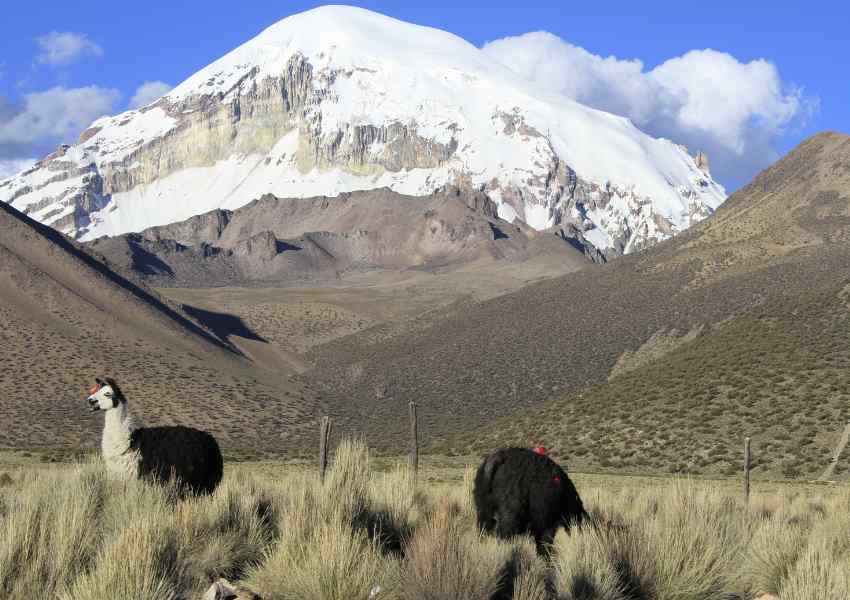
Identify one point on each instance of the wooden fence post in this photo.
(414, 440)
(324, 442)
(747, 470)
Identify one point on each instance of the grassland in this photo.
(370, 532)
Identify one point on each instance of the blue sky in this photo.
(802, 87)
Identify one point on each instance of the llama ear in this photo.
(119, 395)
(100, 380)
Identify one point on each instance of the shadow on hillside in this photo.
(223, 325)
(498, 234)
(148, 262)
(286, 246)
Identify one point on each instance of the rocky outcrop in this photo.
(575, 237)
(225, 590)
(701, 161)
(276, 241)
(200, 229)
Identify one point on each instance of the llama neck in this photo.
(118, 426)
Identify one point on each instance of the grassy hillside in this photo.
(778, 372)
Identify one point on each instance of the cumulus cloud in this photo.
(14, 166)
(60, 48)
(736, 112)
(148, 92)
(55, 115)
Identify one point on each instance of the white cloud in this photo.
(64, 47)
(148, 92)
(58, 114)
(737, 112)
(9, 167)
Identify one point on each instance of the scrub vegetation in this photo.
(277, 532)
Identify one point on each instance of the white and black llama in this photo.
(159, 454)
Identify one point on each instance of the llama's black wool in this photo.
(519, 491)
(190, 455)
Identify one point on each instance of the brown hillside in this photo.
(737, 327)
(65, 318)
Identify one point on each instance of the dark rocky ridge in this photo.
(277, 241)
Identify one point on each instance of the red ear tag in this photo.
(556, 480)
(539, 450)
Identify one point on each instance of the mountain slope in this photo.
(339, 99)
(275, 241)
(65, 318)
(660, 361)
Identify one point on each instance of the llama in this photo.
(158, 454)
(524, 491)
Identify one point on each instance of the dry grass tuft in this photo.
(583, 567)
(448, 559)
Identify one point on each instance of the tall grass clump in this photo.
(139, 564)
(529, 573)
(774, 549)
(695, 538)
(823, 569)
(582, 565)
(326, 549)
(823, 572)
(394, 509)
(448, 559)
(48, 532)
(334, 562)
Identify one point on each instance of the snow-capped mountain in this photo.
(339, 99)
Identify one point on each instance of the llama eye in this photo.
(108, 394)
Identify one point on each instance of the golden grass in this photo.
(73, 534)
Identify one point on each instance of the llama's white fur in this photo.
(118, 425)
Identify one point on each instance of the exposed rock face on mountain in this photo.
(340, 99)
(701, 160)
(284, 240)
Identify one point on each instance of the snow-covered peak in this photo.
(341, 98)
(346, 37)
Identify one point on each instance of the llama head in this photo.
(105, 395)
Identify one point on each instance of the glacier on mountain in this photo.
(338, 99)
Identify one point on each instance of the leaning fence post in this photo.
(747, 470)
(414, 440)
(324, 442)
